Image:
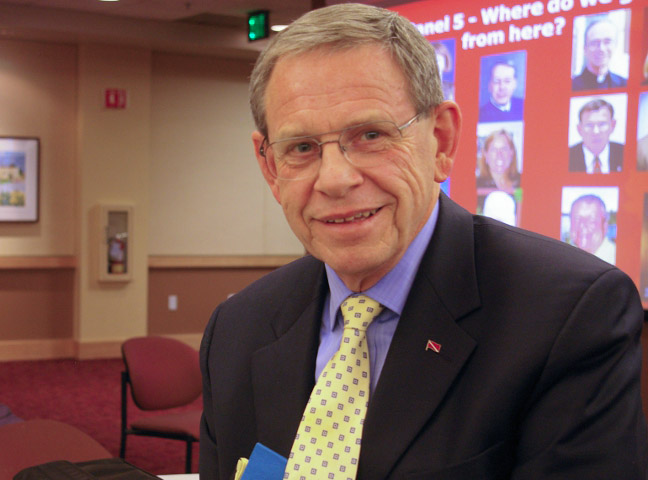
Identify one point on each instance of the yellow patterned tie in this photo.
(327, 444)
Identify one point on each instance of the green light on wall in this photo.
(258, 25)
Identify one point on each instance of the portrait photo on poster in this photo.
(597, 133)
(588, 220)
(642, 133)
(502, 82)
(499, 156)
(600, 51)
(445, 56)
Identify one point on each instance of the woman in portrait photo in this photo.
(497, 163)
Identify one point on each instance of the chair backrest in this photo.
(163, 372)
(33, 442)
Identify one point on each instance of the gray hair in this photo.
(343, 27)
(595, 105)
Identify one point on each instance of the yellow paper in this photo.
(240, 468)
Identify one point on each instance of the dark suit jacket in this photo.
(587, 81)
(537, 377)
(490, 113)
(577, 158)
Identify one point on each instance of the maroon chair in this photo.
(34, 442)
(163, 373)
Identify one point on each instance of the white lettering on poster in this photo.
(493, 15)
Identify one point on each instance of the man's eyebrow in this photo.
(299, 132)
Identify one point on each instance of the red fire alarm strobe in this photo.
(115, 98)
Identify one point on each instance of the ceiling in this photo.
(198, 26)
(229, 11)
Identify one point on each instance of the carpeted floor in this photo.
(86, 394)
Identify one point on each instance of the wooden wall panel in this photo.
(36, 304)
(199, 291)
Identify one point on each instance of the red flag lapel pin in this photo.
(434, 346)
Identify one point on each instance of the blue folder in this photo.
(264, 464)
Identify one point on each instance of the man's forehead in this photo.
(601, 30)
(503, 70)
(588, 209)
(308, 89)
(601, 112)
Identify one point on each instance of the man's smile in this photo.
(352, 218)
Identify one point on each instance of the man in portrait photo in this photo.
(588, 227)
(596, 153)
(642, 153)
(502, 106)
(642, 132)
(601, 38)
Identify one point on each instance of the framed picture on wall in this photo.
(19, 172)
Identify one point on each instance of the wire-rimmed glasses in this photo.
(363, 145)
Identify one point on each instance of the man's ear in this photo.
(579, 129)
(257, 140)
(447, 127)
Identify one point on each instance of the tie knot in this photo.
(359, 311)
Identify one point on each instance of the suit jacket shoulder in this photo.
(481, 287)
(576, 158)
(586, 80)
(490, 113)
(616, 157)
(617, 80)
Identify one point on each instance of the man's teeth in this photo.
(354, 217)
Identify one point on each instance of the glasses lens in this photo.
(364, 143)
(601, 127)
(293, 158)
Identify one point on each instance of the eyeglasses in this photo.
(602, 127)
(605, 42)
(297, 158)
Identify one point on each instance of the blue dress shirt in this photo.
(391, 291)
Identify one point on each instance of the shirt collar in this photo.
(504, 108)
(604, 158)
(392, 290)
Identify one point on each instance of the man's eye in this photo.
(372, 135)
(301, 148)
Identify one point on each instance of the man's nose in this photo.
(336, 174)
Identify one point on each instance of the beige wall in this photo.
(180, 155)
(207, 194)
(114, 161)
(38, 91)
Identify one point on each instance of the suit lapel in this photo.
(283, 371)
(414, 380)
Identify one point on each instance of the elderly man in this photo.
(596, 153)
(502, 106)
(600, 44)
(588, 227)
(415, 340)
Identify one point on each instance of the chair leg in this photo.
(122, 446)
(188, 459)
(124, 400)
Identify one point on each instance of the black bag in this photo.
(105, 469)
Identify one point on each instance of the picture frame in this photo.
(19, 179)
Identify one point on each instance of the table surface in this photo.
(181, 476)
